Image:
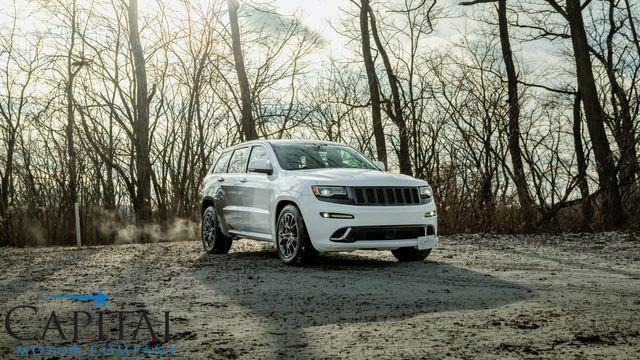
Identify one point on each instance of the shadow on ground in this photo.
(20, 275)
(255, 306)
(345, 288)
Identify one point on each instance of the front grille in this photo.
(394, 196)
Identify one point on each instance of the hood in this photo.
(354, 177)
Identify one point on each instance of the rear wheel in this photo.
(213, 240)
(292, 240)
(410, 254)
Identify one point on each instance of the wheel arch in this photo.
(280, 205)
(206, 202)
(210, 201)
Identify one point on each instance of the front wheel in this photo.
(213, 240)
(410, 254)
(292, 240)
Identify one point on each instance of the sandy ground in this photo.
(475, 296)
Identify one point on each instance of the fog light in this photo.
(431, 213)
(336, 215)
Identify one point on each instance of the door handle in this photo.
(243, 180)
(221, 180)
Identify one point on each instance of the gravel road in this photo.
(475, 296)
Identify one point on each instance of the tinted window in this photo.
(221, 165)
(238, 163)
(258, 153)
(316, 156)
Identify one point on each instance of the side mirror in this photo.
(380, 165)
(260, 166)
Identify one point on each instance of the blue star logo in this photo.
(99, 299)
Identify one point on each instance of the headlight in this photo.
(426, 192)
(329, 191)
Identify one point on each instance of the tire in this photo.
(292, 240)
(213, 240)
(410, 254)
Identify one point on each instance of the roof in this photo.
(283, 141)
(299, 141)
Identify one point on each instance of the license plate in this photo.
(426, 242)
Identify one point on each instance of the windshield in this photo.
(319, 156)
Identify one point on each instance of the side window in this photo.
(258, 153)
(221, 164)
(238, 163)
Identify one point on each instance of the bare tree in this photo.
(115, 91)
(248, 123)
(594, 114)
(142, 202)
(394, 107)
(622, 121)
(372, 78)
(514, 115)
(72, 69)
(19, 74)
(513, 127)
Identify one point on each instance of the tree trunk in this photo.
(594, 115)
(636, 41)
(142, 203)
(581, 178)
(376, 116)
(248, 124)
(109, 196)
(395, 114)
(7, 177)
(72, 190)
(625, 138)
(6, 188)
(513, 128)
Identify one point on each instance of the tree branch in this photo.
(465, 3)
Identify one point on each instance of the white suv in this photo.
(314, 196)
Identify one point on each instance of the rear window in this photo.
(221, 164)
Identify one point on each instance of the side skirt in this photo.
(252, 235)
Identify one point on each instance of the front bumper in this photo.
(321, 229)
